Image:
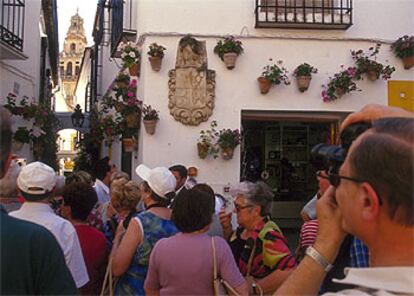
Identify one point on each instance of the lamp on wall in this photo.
(77, 117)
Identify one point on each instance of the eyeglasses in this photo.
(239, 207)
(335, 179)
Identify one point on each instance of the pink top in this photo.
(183, 264)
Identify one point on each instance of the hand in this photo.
(329, 218)
(225, 219)
(373, 112)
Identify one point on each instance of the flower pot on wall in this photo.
(121, 84)
(17, 145)
(372, 75)
(408, 62)
(155, 63)
(230, 59)
(129, 144)
(264, 85)
(119, 106)
(132, 120)
(150, 126)
(339, 92)
(303, 82)
(202, 149)
(227, 153)
(134, 70)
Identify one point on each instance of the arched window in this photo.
(77, 70)
(69, 69)
(73, 47)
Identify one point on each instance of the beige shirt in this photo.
(379, 281)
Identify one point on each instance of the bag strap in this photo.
(250, 261)
(108, 279)
(223, 282)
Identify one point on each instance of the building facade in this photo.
(279, 128)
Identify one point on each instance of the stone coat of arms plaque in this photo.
(191, 84)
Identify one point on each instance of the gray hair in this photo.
(8, 185)
(258, 193)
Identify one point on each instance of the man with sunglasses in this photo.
(372, 198)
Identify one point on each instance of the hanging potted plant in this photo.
(130, 57)
(367, 64)
(20, 137)
(128, 144)
(228, 50)
(156, 53)
(340, 84)
(403, 48)
(228, 140)
(272, 75)
(303, 74)
(122, 80)
(150, 119)
(206, 144)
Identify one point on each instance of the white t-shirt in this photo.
(64, 232)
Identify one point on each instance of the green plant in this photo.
(22, 135)
(122, 77)
(403, 47)
(229, 44)
(342, 82)
(366, 63)
(130, 54)
(207, 143)
(156, 50)
(304, 70)
(276, 73)
(150, 113)
(228, 138)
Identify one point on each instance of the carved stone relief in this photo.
(191, 84)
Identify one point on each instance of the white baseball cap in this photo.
(159, 179)
(36, 178)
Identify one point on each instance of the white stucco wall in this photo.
(165, 22)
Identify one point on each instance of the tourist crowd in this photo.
(169, 235)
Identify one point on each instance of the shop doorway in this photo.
(277, 149)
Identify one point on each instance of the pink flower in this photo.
(351, 71)
(133, 83)
(130, 94)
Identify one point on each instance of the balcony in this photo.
(304, 14)
(12, 29)
(122, 27)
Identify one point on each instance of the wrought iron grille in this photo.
(122, 23)
(304, 14)
(12, 23)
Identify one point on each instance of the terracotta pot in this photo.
(230, 59)
(202, 149)
(129, 144)
(134, 70)
(264, 85)
(150, 126)
(303, 82)
(227, 153)
(408, 62)
(155, 63)
(121, 84)
(339, 92)
(119, 106)
(17, 145)
(372, 75)
(132, 120)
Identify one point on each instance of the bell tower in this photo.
(71, 57)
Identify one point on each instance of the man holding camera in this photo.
(372, 198)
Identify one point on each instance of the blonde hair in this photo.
(124, 194)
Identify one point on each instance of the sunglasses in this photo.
(239, 207)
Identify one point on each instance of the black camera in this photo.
(331, 157)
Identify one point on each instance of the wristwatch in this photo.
(315, 255)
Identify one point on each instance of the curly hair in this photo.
(124, 194)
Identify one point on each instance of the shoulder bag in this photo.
(221, 287)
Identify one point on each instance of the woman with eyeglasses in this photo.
(258, 245)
